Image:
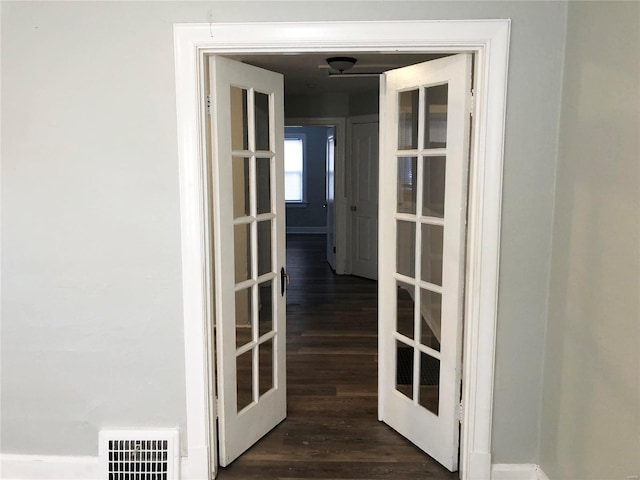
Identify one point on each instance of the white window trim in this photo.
(489, 40)
(303, 137)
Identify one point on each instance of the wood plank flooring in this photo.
(332, 430)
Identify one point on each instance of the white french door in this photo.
(247, 132)
(425, 125)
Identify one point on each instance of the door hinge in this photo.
(472, 102)
(460, 412)
(216, 409)
(208, 104)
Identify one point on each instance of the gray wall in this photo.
(332, 105)
(91, 312)
(91, 282)
(324, 105)
(591, 404)
(366, 103)
(313, 216)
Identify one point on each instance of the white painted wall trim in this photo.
(51, 467)
(47, 467)
(191, 467)
(58, 467)
(540, 474)
(307, 230)
(489, 39)
(194, 228)
(517, 471)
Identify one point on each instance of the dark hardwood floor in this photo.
(332, 430)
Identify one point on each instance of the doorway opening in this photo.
(484, 194)
(247, 128)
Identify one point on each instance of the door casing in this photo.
(489, 41)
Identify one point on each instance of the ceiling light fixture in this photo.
(341, 64)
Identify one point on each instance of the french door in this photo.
(247, 133)
(425, 125)
(423, 168)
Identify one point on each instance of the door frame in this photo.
(489, 40)
(339, 194)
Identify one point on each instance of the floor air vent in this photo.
(139, 454)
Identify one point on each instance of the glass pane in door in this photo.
(430, 318)
(408, 120)
(240, 172)
(244, 317)
(265, 308)
(433, 174)
(239, 122)
(404, 369)
(262, 121)
(244, 374)
(405, 309)
(264, 247)
(242, 251)
(405, 254)
(407, 184)
(435, 111)
(263, 185)
(265, 379)
(431, 253)
(429, 391)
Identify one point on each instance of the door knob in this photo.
(353, 208)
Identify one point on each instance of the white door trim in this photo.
(489, 39)
(340, 198)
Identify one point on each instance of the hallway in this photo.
(331, 431)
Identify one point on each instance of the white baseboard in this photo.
(48, 467)
(54, 467)
(307, 230)
(517, 471)
(541, 474)
(194, 467)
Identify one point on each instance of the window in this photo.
(294, 180)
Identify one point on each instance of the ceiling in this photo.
(308, 74)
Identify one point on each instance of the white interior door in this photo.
(423, 192)
(247, 132)
(364, 206)
(330, 197)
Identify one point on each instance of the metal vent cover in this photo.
(140, 454)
